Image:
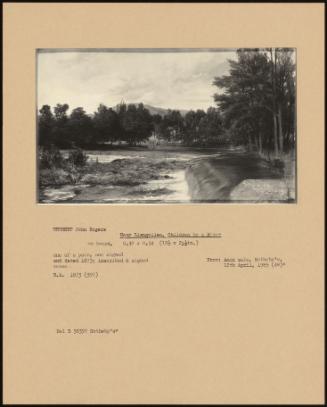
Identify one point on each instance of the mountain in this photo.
(156, 110)
(161, 111)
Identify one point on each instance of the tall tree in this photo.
(257, 91)
(211, 132)
(60, 130)
(282, 60)
(106, 125)
(136, 123)
(172, 125)
(192, 134)
(45, 126)
(80, 128)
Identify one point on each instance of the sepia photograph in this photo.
(120, 126)
(164, 179)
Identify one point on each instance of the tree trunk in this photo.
(250, 144)
(280, 129)
(256, 142)
(260, 143)
(273, 78)
(275, 137)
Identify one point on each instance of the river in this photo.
(179, 175)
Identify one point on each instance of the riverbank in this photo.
(240, 176)
(171, 175)
(126, 179)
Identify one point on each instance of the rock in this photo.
(261, 190)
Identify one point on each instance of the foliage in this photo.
(257, 102)
(106, 125)
(136, 123)
(80, 128)
(50, 158)
(46, 125)
(77, 158)
(56, 170)
(60, 129)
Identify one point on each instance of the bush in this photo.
(53, 177)
(50, 158)
(77, 158)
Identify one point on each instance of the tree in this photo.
(136, 123)
(256, 93)
(106, 125)
(192, 133)
(80, 128)
(244, 92)
(157, 121)
(60, 129)
(283, 82)
(210, 128)
(45, 126)
(145, 124)
(172, 125)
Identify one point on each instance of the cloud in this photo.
(181, 80)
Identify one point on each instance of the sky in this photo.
(175, 80)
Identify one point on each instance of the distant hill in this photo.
(156, 110)
(162, 111)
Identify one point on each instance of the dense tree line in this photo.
(258, 99)
(130, 124)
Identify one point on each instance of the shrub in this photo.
(77, 158)
(50, 158)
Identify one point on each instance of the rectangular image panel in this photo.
(166, 126)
